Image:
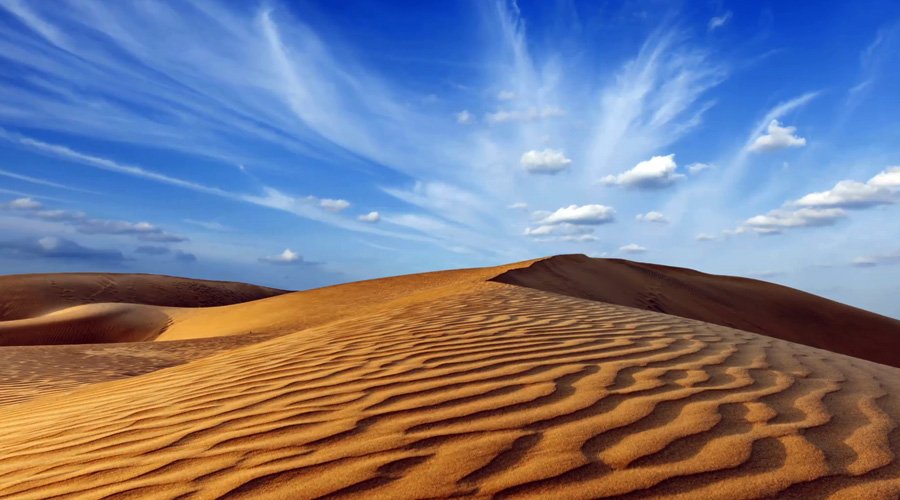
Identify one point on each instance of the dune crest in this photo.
(742, 303)
(30, 295)
(483, 389)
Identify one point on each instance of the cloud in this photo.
(524, 115)
(632, 248)
(519, 205)
(24, 204)
(464, 117)
(878, 260)
(370, 217)
(696, 168)
(333, 205)
(209, 225)
(655, 173)
(888, 178)
(704, 237)
(41, 182)
(506, 95)
(152, 250)
(287, 257)
(144, 231)
(51, 247)
(186, 257)
(777, 137)
(824, 208)
(652, 216)
(776, 221)
(718, 21)
(548, 161)
(882, 189)
(580, 215)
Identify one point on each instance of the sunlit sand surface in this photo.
(446, 384)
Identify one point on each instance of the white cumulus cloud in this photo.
(882, 189)
(370, 217)
(777, 137)
(333, 205)
(580, 215)
(652, 216)
(632, 248)
(657, 172)
(548, 161)
(286, 257)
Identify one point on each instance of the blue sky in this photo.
(300, 144)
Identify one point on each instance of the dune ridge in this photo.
(29, 295)
(484, 389)
(742, 303)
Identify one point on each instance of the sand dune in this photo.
(29, 295)
(45, 309)
(473, 388)
(742, 303)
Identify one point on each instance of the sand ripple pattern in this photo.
(498, 391)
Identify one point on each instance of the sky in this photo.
(302, 144)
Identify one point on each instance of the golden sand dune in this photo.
(478, 389)
(41, 309)
(29, 295)
(742, 303)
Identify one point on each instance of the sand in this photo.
(457, 386)
(30, 295)
(742, 303)
(84, 308)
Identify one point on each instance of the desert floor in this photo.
(439, 385)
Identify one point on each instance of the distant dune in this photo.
(29, 295)
(445, 385)
(82, 308)
(742, 303)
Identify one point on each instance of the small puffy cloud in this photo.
(526, 115)
(580, 215)
(657, 172)
(185, 257)
(777, 137)
(333, 205)
(51, 247)
(506, 95)
(780, 219)
(152, 250)
(696, 168)
(24, 204)
(287, 257)
(548, 161)
(632, 248)
(370, 217)
(877, 260)
(652, 216)
(718, 21)
(519, 205)
(704, 237)
(464, 117)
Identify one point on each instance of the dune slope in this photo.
(29, 295)
(742, 303)
(483, 389)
